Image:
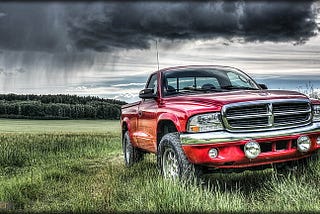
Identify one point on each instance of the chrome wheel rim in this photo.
(170, 164)
(127, 150)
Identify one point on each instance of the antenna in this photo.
(157, 53)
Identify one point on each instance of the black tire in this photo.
(172, 161)
(131, 154)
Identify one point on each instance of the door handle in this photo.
(140, 113)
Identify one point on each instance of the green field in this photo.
(51, 126)
(77, 166)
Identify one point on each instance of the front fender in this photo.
(173, 118)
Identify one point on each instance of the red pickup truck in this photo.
(217, 118)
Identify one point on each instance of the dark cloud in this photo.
(137, 24)
(104, 26)
(279, 21)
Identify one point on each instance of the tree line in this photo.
(58, 107)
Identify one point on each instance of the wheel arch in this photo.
(167, 123)
(125, 126)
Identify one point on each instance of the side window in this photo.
(153, 83)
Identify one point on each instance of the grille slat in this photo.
(284, 120)
(248, 116)
(267, 115)
(248, 122)
(254, 110)
(291, 112)
(297, 107)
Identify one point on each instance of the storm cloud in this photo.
(135, 25)
(105, 26)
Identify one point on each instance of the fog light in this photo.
(318, 140)
(252, 149)
(303, 143)
(213, 153)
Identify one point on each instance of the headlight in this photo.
(316, 113)
(205, 123)
(303, 143)
(252, 149)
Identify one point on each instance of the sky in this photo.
(108, 48)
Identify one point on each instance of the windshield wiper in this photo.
(189, 90)
(231, 87)
(193, 90)
(212, 90)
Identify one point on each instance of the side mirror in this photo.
(263, 86)
(147, 93)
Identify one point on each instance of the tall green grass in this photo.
(84, 172)
(41, 172)
(143, 189)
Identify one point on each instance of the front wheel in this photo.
(172, 161)
(132, 154)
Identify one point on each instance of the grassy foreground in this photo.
(61, 171)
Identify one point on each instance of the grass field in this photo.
(52, 126)
(59, 169)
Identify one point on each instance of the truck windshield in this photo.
(206, 80)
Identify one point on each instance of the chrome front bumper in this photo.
(224, 136)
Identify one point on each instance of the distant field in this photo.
(50, 126)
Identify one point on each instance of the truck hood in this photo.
(217, 100)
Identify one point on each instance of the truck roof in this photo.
(184, 67)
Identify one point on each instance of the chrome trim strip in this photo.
(292, 112)
(271, 116)
(249, 116)
(225, 137)
(291, 123)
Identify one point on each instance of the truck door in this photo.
(147, 119)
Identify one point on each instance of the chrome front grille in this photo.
(266, 114)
